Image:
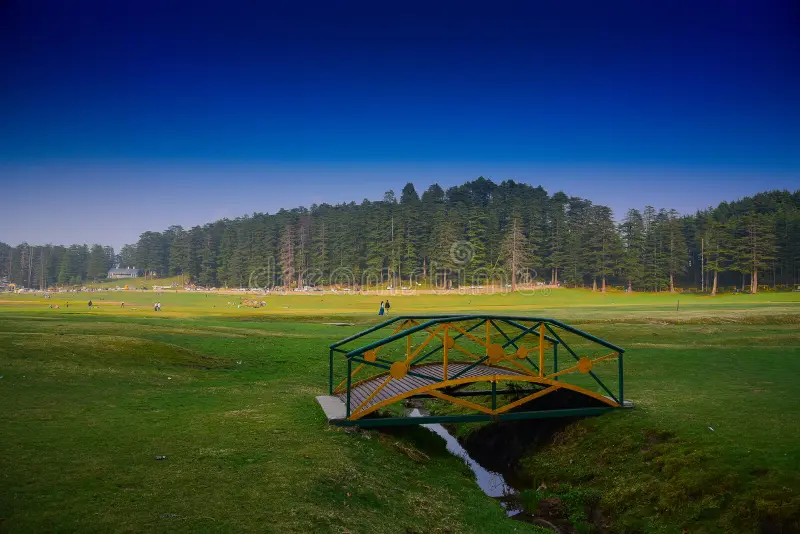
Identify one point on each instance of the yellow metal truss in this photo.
(441, 332)
(434, 390)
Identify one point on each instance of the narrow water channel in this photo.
(493, 484)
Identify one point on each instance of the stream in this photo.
(493, 484)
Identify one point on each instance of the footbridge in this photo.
(475, 368)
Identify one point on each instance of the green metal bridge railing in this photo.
(514, 330)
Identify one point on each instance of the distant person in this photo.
(155, 306)
(159, 306)
(381, 311)
(122, 305)
(387, 306)
(90, 303)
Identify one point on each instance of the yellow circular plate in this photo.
(585, 365)
(495, 353)
(370, 356)
(522, 353)
(398, 370)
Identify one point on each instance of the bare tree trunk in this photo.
(671, 282)
(754, 282)
(513, 278)
(514, 259)
(30, 266)
(594, 284)
(702, 265)
(555, 282)
(630, 287)
(603, 290)
(714, 286)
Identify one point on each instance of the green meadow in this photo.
(202, 417)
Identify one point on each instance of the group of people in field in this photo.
(156, 306)
(384, 309)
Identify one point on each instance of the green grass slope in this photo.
(91, 397)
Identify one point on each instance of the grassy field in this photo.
(91, 397)
(136, 283)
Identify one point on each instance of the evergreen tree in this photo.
(632, 233)
(409, 196)
(677, 253)
(301, 254)
(179, 248)
(715, 250)
(229, 267)
(652, 257)
(208, 262)
(377, 242)
(98, 263)
(151, 253)
(442, 239)
(557, 232)
(287, 252)
(515, 249)
(576, 252)
(68, 271)
(604, 245)
(476, 266)
(127, 256)
(535, 231)
(320, 248)
(759, 245)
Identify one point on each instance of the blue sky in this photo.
(154, 115)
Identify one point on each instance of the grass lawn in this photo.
(135, 283)
(91, 397)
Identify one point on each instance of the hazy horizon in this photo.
(123, 118)
(174, 200)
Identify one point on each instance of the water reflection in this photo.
(493, 484)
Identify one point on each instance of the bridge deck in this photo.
(397, 387)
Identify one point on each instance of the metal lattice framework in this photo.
(448, 356)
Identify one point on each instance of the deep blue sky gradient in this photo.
(242, 107)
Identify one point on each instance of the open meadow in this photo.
(225, 395)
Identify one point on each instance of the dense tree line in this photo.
(476, 233)
(42, 266)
